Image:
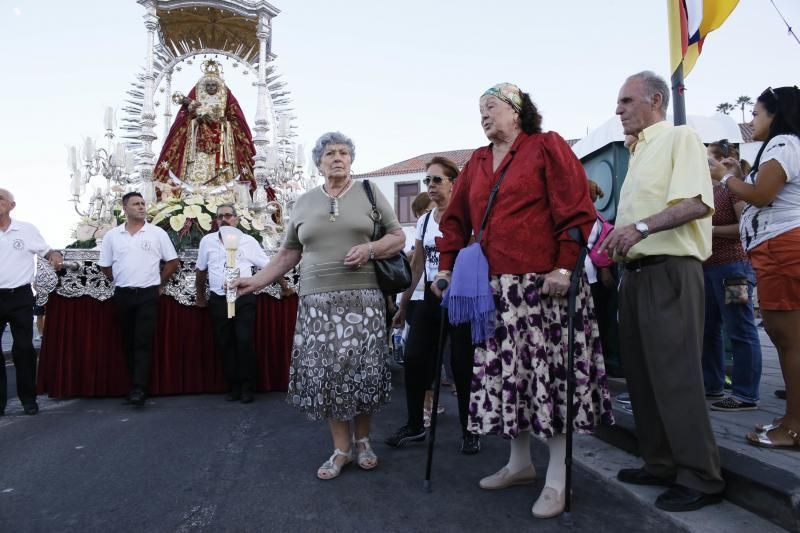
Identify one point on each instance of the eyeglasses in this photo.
(225, 215)
(435, 179)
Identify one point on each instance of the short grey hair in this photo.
(332, 137)
(233, 208)
(653, 84)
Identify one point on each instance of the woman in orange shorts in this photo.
(770, 232)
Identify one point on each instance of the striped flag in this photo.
(689, 23)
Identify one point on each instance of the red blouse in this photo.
(544, 193)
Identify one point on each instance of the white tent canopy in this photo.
(710, 129)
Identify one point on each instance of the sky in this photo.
(400, 78)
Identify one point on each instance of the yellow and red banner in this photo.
(689, 23)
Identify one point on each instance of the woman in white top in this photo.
(423, 338)
(770, 232)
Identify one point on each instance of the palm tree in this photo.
(744, 101)
(725, 108)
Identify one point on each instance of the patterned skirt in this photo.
(339, 366)
(520, 375)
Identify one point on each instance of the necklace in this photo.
(333, 209)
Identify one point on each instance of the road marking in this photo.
(6, 491)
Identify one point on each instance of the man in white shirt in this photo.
(131, 257)
(19, 243)
(233, 336)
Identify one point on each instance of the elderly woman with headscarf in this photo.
(520, 370)
(339, 370)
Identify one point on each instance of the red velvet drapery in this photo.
(81, 353)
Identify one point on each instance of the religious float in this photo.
(208, 157)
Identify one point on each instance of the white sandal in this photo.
(366, 458)
(330, 468)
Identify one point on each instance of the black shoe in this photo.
(137, 396)
(470, 444)
(247, 396)
(780, 394)
(404, 435)
(31, 408)
(679, 498)
(234, 395)
(640, 476)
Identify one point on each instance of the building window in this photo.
(404, 194)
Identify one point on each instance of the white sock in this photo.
(520, 456)
(557, 469)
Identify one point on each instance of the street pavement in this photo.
(198, 463)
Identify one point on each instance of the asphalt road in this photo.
(197, 463)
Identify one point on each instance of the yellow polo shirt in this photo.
(669, 165)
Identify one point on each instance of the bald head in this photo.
(6, 194)
(6, 205)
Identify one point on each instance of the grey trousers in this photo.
(661, 312)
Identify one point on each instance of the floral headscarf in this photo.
(508, 93)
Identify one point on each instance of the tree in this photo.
(743, 101)
(725, 108)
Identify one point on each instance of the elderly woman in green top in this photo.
(339, 368)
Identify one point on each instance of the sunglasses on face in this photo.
(225, 215)
(435, 179)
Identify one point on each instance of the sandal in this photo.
(763, 428)
(330, 468)
(365, 457)
(763, 440)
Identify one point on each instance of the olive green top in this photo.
(324, 243)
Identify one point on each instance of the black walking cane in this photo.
(575, 233)
(437, 384)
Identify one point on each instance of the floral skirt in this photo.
(339, 366)
(520, 375)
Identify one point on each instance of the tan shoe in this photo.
(502, 479)
(549, 504)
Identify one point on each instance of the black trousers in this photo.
(421, 349)
(233, 338)
(137, 311)
(16, 310)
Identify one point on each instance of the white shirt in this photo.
(429, 243)
(135, 259)
(759, 224)
(211, 256)
(18, 244)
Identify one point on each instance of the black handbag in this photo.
(393, 273)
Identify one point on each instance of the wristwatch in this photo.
(724, 180)
(642, 228)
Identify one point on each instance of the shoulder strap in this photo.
(425, 224)
(375, 215)
(492, 197)
(368, 190)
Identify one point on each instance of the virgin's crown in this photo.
(211, 66)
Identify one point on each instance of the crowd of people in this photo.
(695, 231)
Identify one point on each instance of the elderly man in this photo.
(131, 257)
(19, 242)
(233, 336)
(663, 233)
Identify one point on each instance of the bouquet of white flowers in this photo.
(187, 220)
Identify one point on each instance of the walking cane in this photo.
(426, 485)
(575, 233)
